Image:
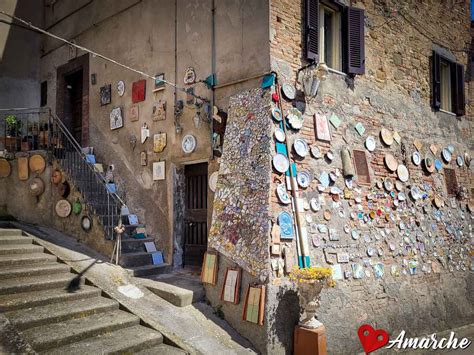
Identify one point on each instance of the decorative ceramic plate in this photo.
(402, 173)
(467, 159)
(303, 178)
(276, 114)
(438, 164)
(121, 88)
(415, 192)
(398, 185)
(370, 143)
(213, 181)
(289, 91)
(324, 179)
(315, 152)
(451, 148)
(416, 158)
(330, 155)
(388, 184)
(391, 162)
(37, 163)
(63, 208)
(86, 223)
(283, 194)
(315, 205)
(301, 147)
(5, 168)
(446, 155)
(280, 135)
(188, 144)
(295, 118)
(460, 160)
(281, 163)
(387, 136)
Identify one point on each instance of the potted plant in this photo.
(310, 282)
(13, 125)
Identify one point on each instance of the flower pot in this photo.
(310, 296)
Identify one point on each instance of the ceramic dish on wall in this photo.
(451, 148)
(276, 114)
(387, 136)
(282, 194)
(438, 164)
(301, 147)
(289, 91)
(303, 178)
(388, 184)
(316, 152)
(370, 143)
(416, 158)
(330, 155)
(188, 144)
(280, 135)
(86, 223)
(460, 160)
(446, 154)
(429, 163)
(213, 181)
(295, 118)
(391, 162)
(63, 208)
(315, 205)
(281, 163)
(402, 173)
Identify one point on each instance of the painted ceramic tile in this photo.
(116, 120)
(138, 91)
(335, 120)
(159, 142)
(322, 127)
(134, 113)
(159, 171)
(105, 94)
(159, 111)
(359, 127)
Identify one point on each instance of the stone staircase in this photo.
(58, 312)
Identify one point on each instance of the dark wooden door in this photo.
(195, 214)
(73, 104)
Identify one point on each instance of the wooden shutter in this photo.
(451, 182)
(436, 80)
(362, 167)
(355, 47)
(312, 30)
(457, 84)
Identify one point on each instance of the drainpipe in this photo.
(213, 70)
(175, 61)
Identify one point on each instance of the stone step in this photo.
(127, 340)
(27, 259)
(131, 245)
(10, 232)
(147, 270)
(20, 249)
(141, 258)
(45, 297)
(33, 270)
(162, 349)
(14, 239)
(58, 312)
(34, 283)
(59, 334)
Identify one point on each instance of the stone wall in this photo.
(394, 93)
(17, 201)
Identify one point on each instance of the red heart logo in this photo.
(372, 339)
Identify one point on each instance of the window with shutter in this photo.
(451, 182)
(355, 41)
(312, 30)
(447, 85)
(362, 167)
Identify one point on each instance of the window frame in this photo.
(446, 86)
(337, 35)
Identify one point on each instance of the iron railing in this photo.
(42, 129)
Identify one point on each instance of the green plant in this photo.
(13, 124)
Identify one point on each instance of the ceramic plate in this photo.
(451, 148)
(330, 155)
(391, 162)
(315, 205)
(276, 114)
(281, 163)
(460, 160)
(63, 208)
(402, 173)
(324, 179)
(188, 144)
(416, 158)
(438, 165)
(467, 158)
(446, 155)
(288, 91)
(213, 181)
(295, 118)
(280, 135)
(86, 223)
(301, 147)
(315, 152)
(283, 194)
(388, 184)
(370, 143)
(415, 192)
(387, 136)
(303, 178)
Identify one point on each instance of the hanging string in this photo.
(29, 25)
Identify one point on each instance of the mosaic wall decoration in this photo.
(240, 223)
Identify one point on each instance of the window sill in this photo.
(447, 112)
(334, 71)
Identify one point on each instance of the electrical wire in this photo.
(29, 25)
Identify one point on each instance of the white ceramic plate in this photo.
(281, 163)
(188, 144)
(276, 114)
(301, 147)
(460, 160)
(315, 152)
(303, 178)
(213, 181)
(283, 194)
(280, 135)
(416, 158)
(315, 205)
(402, 173)
(295, 118)
(289, 91)
(388, 184)
(446, 155)
(370, 143)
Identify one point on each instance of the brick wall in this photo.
(394, 93)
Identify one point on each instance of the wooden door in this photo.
(195, 214)
(73, 104)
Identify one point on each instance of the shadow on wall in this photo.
(286, 318)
